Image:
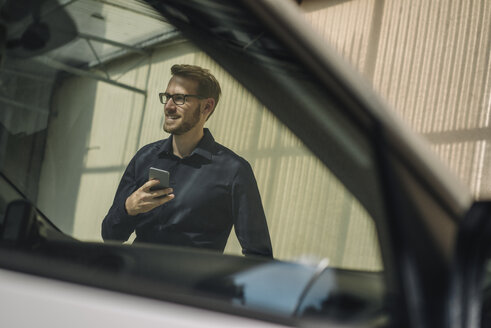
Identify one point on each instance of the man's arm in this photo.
(118, 224)
(122, 217)
(250, 223)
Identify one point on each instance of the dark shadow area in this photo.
(21, 159)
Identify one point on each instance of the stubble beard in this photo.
(184, 126)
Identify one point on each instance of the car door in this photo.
(415, 204)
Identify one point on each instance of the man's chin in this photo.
(169, 129)
(176, 130)
(166, 128)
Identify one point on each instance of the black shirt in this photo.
(214, 189)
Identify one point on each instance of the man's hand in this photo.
(144, 199)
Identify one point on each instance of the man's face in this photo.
(180, 119)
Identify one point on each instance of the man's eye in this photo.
(179, 98)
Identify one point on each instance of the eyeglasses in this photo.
(178, 99)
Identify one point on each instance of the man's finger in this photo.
(159, 192)
(149, 184)
(165, 199)
(162, 192)
(152, 203)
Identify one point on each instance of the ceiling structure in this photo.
(44, 38)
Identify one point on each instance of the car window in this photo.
(309, 211)
(69, 154)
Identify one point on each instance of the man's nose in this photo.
(170, 104)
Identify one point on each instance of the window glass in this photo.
(70, 160)
(96, 128)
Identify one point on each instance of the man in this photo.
(211, 188)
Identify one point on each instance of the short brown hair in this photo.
(208, 85)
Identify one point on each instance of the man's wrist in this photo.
(129, 212)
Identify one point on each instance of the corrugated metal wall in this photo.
(99, 127)
(431, 60)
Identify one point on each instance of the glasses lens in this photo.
(179, 99)
(163, 98)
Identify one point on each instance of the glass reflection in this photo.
(295, 289)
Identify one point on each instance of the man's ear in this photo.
(209, 105)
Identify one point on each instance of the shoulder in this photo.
(149, 150)
(231, 159)
(152, 147)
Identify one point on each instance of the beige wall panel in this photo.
(66, 148)
(92, 137)
(431, 60)
(345, 24)
(112, 143)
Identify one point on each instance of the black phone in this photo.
(161, 175)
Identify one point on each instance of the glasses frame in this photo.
(164, 95)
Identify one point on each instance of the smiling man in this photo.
(211, 187)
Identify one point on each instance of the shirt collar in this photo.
(204, 148)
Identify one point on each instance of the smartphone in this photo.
(161, 175)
